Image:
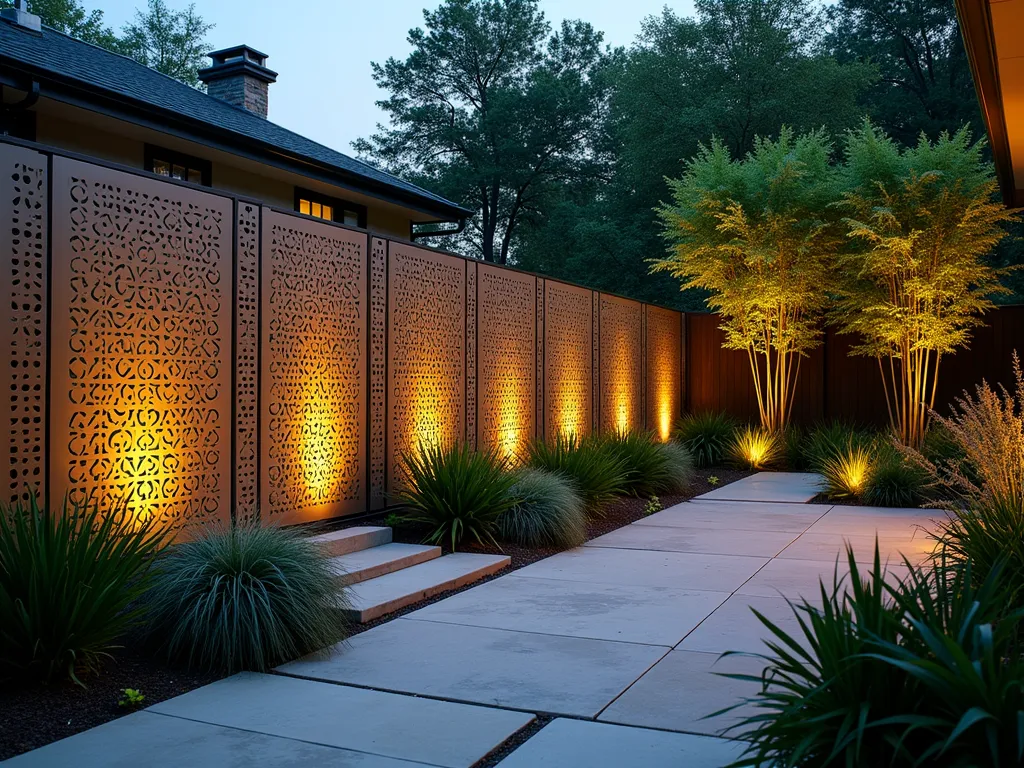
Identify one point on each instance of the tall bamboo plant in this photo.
(914, 280)
(759, 234)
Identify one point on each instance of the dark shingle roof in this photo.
(100, 72)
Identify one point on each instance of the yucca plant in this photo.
(925, 672)
(755, 448)
(70, 579)
(596, 474)
(246, 598)
(650, 467)
(706, 435)
(848, 472)
(546, 511)
(460, 493)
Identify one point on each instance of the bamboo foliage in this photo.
(913, 280)
(758, 234)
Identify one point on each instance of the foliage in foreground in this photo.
(650, 467)
(927, 672)
(706, 435)
(247, 598)
(598, 475)
(460, 493)
(755, 448)
(70, 579)
(546, 511)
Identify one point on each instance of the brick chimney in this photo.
(240, 77)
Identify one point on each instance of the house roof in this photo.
(84, 73)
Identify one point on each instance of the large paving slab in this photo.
(796, 487)
(800, 578)
(601, 565)
(891, 547)
(734, 627)
(701, 540)
(683, 690)
(436, 732)
(149, 740)
(739, 515)
(868, 521)
(520, 670)
(579, 744)
(651, 615)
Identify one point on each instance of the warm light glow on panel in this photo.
(621, 355)
(320, 453)
(664, 368)
(568, 325)
(426, 338)
(507, 358)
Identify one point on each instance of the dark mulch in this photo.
(34, 715)
(515, 741)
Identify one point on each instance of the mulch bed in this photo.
(32, 715)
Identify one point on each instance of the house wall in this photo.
(205, 359)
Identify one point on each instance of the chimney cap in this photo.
(236, 60)
(20, 16)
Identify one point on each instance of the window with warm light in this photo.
(176, 165)
(329, 208)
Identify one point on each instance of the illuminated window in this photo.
(329, 208)
(175, 165)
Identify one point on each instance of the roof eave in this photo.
(76, 93)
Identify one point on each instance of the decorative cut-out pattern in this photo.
(247, 250)
(313, 379)
(471, 352)
(23, 217)
(141, 356)
(426, 337)
(620, 364)
(378, 369)
(595, 358)
(664, 369)
(508, 359)
(539, 421)
(568, 331)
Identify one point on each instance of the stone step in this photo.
(366, 564)
(354, 539)
(385, 594)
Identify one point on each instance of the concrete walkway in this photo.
(619, 638)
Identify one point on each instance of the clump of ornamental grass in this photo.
(245, 598)
(829, 439)
(706, 435)
(456, 491)
(895, 480)
(597, 474)
(546, 511)
(70, 580)
(755, 448)
(650, 467)
(848, 472)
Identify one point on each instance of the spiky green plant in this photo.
(70, 578)
(895, 481)
(829, 439)
(246, 598)
(460, 493)
(546, 511)
(707, 435)
(990, 536)
(848, 472)
(598, 475)
(922, 672)
(755, 448)
(650, 467)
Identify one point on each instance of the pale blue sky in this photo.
(322, 49)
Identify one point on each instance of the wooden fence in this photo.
(835, 385)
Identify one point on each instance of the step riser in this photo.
(344, 543)
(382, 569)
(370, 613)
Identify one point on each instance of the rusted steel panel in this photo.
(568, 350)
(664, 369)
(471, 354)
(247, 340)
(378, 370)
(621, 364)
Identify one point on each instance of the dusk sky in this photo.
(322, 49)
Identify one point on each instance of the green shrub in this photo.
(895, 481)
(848, 471)
(245, 598)
(546, 511)
(794, 449)
(927, 672)
(707, 435)
(828, 440)
(457, 491)
(755, 448)
(598, 475)
(69, 582)
(650, 467)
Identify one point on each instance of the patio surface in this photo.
(617, 638)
